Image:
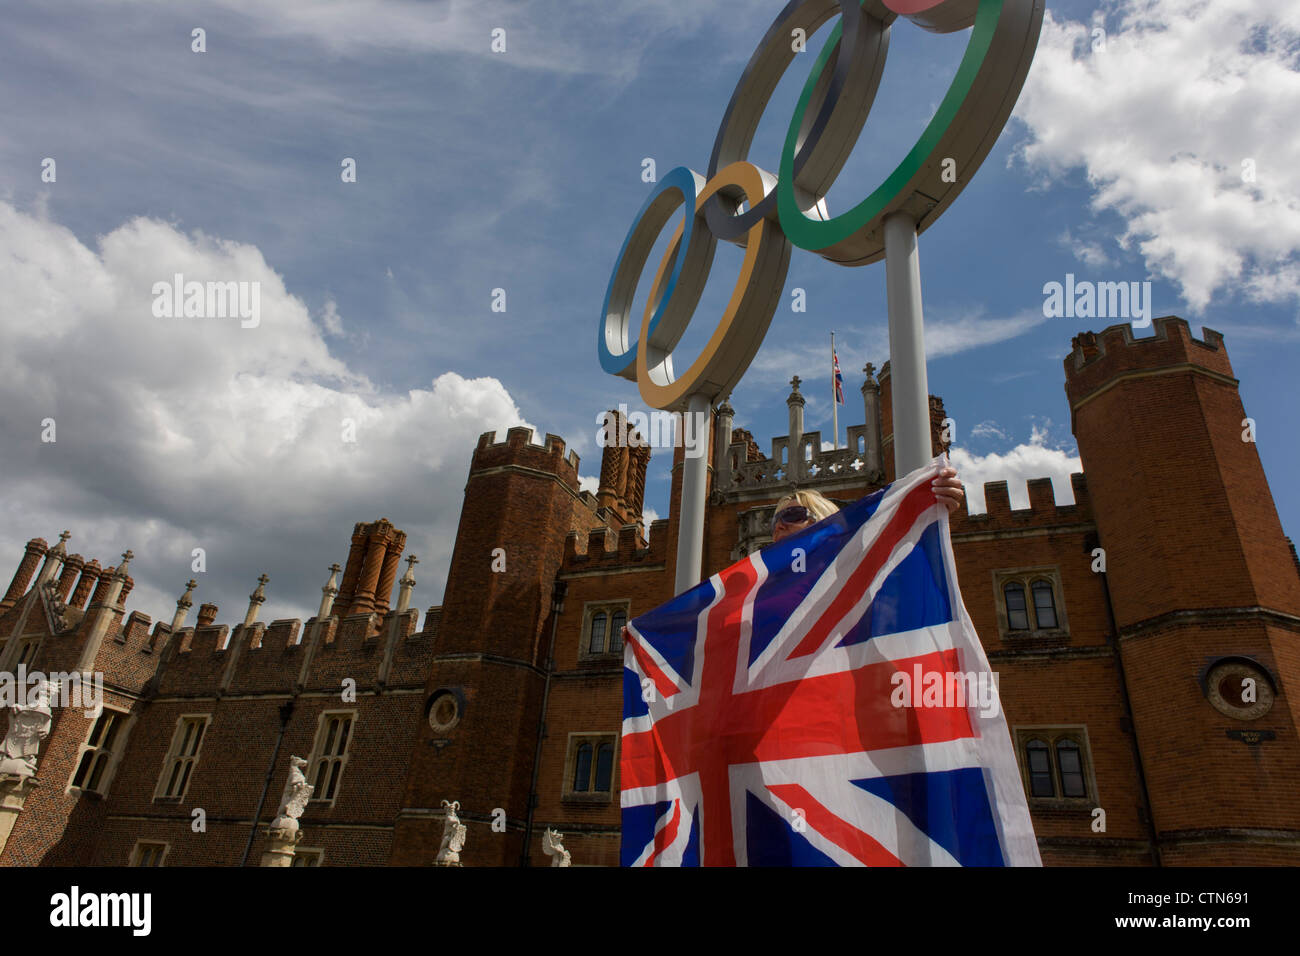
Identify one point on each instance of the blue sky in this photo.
(522, 170)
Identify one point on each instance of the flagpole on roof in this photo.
(835, 399)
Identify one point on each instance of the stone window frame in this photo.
(1026, 577)
(174, 756)
(305, 853)
(576, 740)
(137, 852)
(1052, 735)
(318, 756)
(127, 722)
(589, 611)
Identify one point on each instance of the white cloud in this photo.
(1027, 460)
(181, 433)
(988, 429)
(1162, 121)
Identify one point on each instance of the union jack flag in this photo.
(839, 379)
(762, 722)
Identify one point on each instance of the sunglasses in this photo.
(791, 515)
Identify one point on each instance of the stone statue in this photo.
(29, 724)
(453, 836)
(552, 847)
(293, 801)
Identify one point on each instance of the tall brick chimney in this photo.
(22, 579)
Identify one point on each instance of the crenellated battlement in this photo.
(1043, 511)
(1097, 358)
(604, 548)
(518, 448)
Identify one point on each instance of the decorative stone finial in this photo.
(61, 547)
(255, 600)
(183, 605)
(127, 555)
(869, 370)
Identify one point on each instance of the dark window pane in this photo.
(331, 729)
(79, 779)
(97, 770)
(597, 644)
(1067, 757)
(322, 769)
(200, 726)
(1017, 617)
(344, 733)
(604, 767)
(334, 779)
(1044, 604)
(582, 769)
(616, 630)
(185, 777)
(171, 781)
(1040, 771)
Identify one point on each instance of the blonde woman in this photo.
(805, 508)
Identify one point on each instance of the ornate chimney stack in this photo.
(407, 584)
(86, 584)
(388, 574)
(183, 605)
(207, 614)
(104, 607)
(71, 568)
(795, 402)
(255, 601)
(35, 549)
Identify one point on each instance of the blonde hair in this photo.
(818, 506)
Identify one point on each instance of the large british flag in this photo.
(765, 724)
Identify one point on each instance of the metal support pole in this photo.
(695, 473)
(911, 391)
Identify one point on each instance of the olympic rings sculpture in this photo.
(790, 209)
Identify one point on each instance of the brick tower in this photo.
(485, 690)
(1204, 589)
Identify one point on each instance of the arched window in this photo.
(597, 644)
(1044, 605)
(1071, 768)
(604, 768)
(1017, 616)
(582, 769)
(616, 625)
(1040, 769)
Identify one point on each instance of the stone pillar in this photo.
(85, 585)
(871, 408)
(279, 848)
(54, 559)
(13, 794)
(23, 576)
(407, 584)
(255, 601)
(183, 605)
(328, 593)
(795, 403)
(725, 415)
(388, 574)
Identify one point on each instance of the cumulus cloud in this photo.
(1184, 124)
(1032, 459)
(256, 444)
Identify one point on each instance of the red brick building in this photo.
(1124, 628)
